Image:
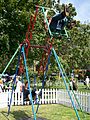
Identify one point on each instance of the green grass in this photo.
(81, 87)
(50, 112)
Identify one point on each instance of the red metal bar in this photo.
(37, 46)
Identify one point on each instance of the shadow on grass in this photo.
(32, 119)
(5, 115)
(19, 115)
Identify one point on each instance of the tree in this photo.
(80, 46)
(13, 24)
(14, 19)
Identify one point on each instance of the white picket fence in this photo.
(49, 96)
(82, 98)
(5, 98)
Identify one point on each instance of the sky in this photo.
(82, 9)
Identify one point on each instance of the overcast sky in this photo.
(82, 9)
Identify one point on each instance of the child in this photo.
(57, 22)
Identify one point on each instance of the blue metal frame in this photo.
(27, 76)
(64, 79)
(14, 80)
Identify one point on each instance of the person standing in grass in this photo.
(27, 93)
(87, 82)
(74, 84)
(1, 86)
(71, 85)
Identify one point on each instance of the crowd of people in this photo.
(19, 86)
(82, 77)
(6, 84)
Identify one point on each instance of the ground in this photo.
(46, 112)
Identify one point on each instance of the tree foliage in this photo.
(14, 17)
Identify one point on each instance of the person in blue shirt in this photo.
(57, 22)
